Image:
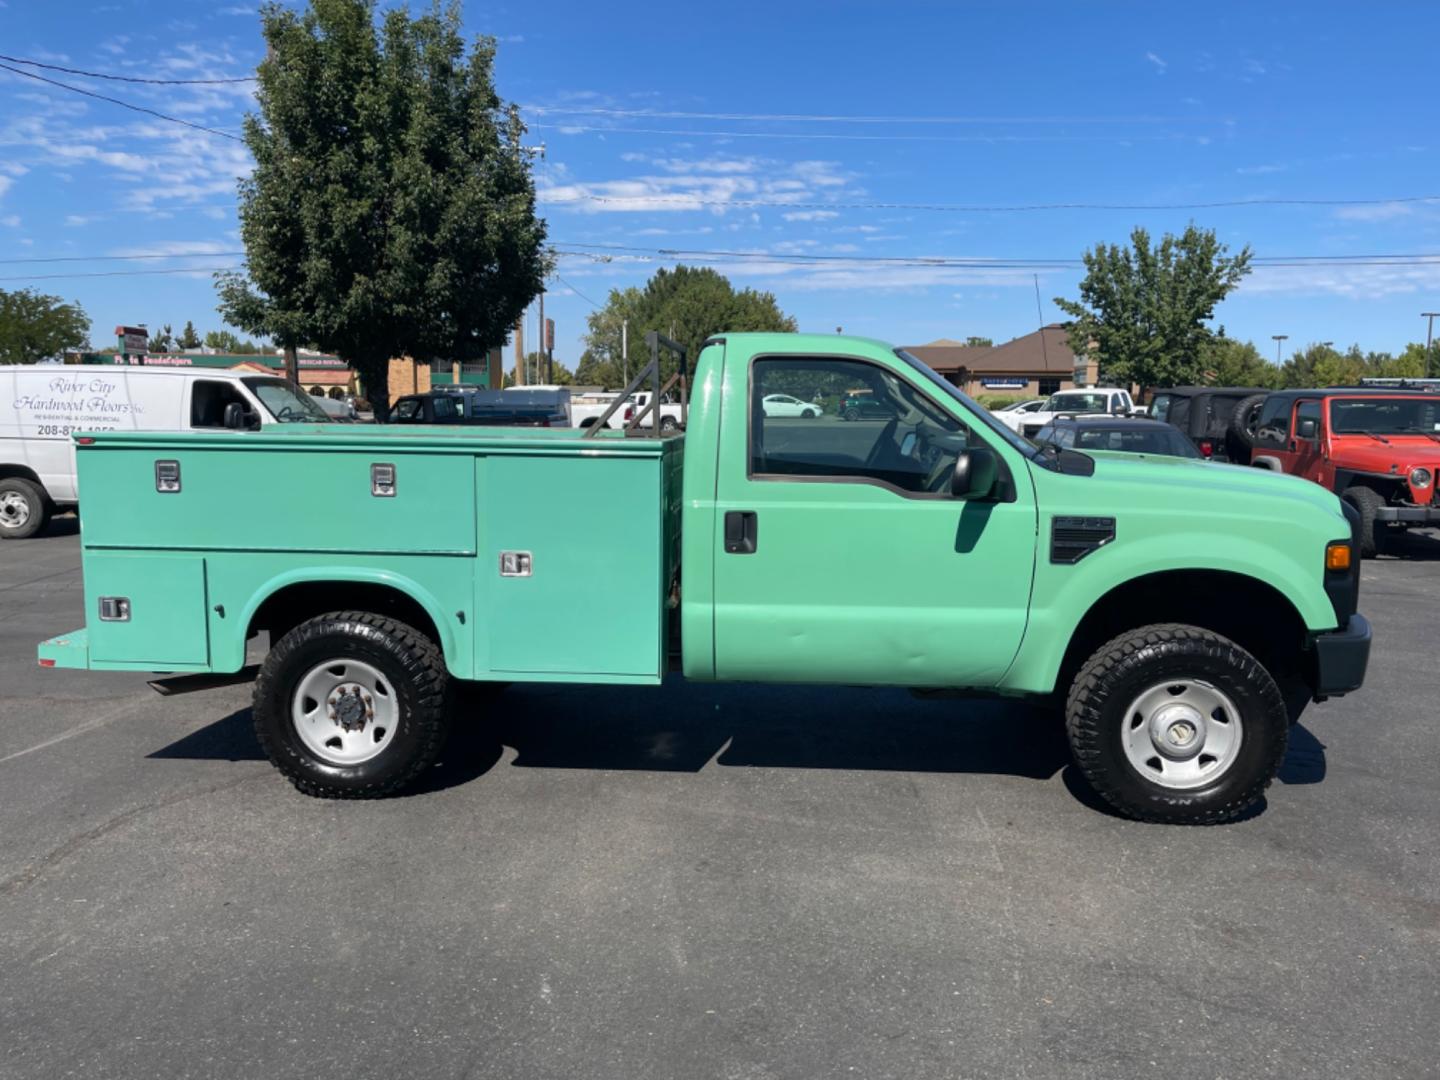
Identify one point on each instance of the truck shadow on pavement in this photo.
(683, 727)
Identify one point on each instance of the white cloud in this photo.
(810, 215)
(1160, 63)
(237, 9)
(714, 184)
(1261, 170)
(1350, 282)
(1376, 212)
(5, 185)
(10, 221)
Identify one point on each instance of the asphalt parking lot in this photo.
(735, 882)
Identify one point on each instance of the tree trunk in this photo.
(376, 376)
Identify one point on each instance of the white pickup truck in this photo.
(586, 410)
(1088, 401)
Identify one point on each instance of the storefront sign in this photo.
(1004, 384)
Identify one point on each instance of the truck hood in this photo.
(1360, 453)
(1167, 476)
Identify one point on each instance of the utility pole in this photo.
(520, 350)
(292, 365)
(1278, 339)
(540, 338)
(624, 353)
(1429, 337)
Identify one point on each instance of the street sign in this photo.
(134, 340)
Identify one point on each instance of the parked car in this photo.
(1129, 434)
(785, 405)
(43, 405)
(1022, 406)
(937, 551)
(1098, 399)
(1212, 417)
(864, 405)
(1379, 450)
(495, 408)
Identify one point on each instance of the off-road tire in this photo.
(1242, 420)
(39, 505)
(1367, 502)
(409, 660)
(668, 423)
(1109, 681)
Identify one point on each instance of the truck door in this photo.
(1305, 441)
(840, 555)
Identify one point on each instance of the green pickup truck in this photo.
(1179, 613)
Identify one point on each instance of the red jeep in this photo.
(1379, 450)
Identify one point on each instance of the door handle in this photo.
(742, 532)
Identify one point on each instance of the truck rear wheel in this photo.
(1173, 723)
(352, 705)
(24, 509)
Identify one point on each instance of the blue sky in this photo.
(660, 122)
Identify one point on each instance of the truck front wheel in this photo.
(1368, 503)
(352, 705)
(1173, 723)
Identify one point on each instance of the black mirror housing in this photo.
(977, 471)
(238, 417)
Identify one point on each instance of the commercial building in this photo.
(1035, 365)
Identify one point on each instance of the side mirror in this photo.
(976, 470)
(1307, 428)
(238, 418)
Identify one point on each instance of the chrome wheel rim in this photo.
(14, 510)
(1182, 733)
(345, 711)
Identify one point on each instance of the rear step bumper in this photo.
(1414, 515)
(70, 650)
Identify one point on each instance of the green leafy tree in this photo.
(226, 342)
(1146, 306)
(687, 304)
(161, 340)
(188, 338)
(391, 211)
(1228, 362)
(976, 342)
(34, 327)
(1338, 369)
(1410, 364)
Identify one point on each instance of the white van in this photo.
(42, 405)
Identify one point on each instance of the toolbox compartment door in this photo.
(165, 594)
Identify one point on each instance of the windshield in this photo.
(1160, 407)
(1079, 403)
(1385, 416)
(286, 404)
(980, 414)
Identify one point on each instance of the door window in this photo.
(444, 408)
(899, 438)
(1307, 420)
(1274, 426)
(208, 399)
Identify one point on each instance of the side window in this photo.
(1307, 420)
(444, 408)
(1274, 426)
(1126, 403)
(1160, 406)
(208, 399)
(406, 409)
(874, 426)
(1047, 387)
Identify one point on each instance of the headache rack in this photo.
(651, 371)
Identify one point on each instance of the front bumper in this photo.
(1411, 515)
(1341, 657)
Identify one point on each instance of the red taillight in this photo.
(1207, 448)
(630, 412)
(84, 441)
(47, 663)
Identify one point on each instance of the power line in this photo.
(569, 129)
(110, 258)
(577, 292)
(123, 273)
(686, 200)
(126, 78)
(122, 104)
(667, 114)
